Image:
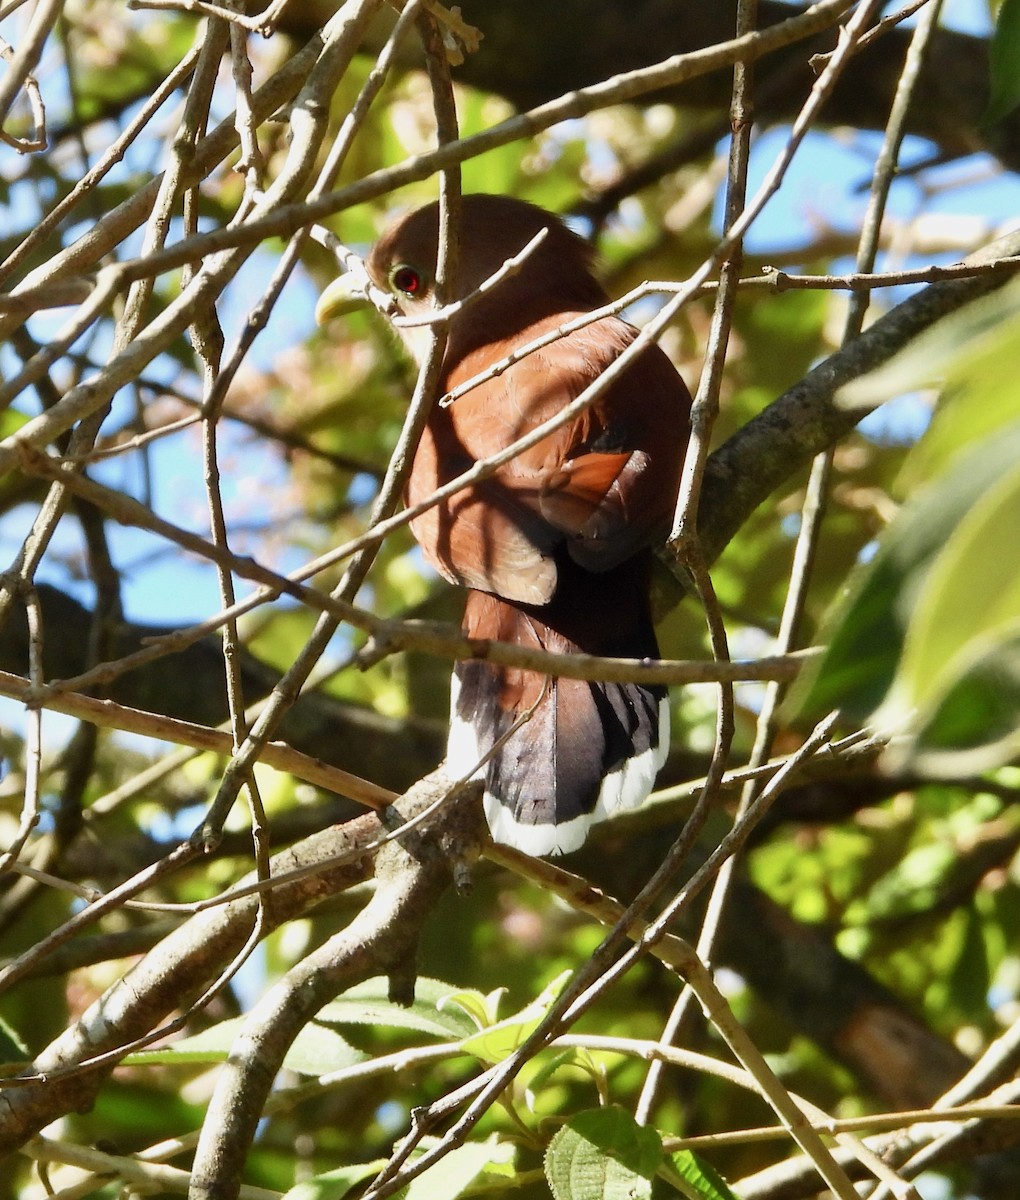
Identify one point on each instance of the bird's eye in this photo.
(407, 280)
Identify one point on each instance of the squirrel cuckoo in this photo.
(554, 546)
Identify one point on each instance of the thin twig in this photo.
(703, 416)
(23, 62)
(14, 970)
(108, 715)
(258, 317)
(131, 1169)
(388, 634)
(38, 140)
(282, 217)
(30, 808)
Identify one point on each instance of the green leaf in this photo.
(970, 357)
(12, 1048)
(498, 1041)
(483, 1010)
(210, 1046)
(926, 642)
(333, 1185)
(1004, 63)
(316, 1050)
(904, 594)
(369, 1004)
(448, 1178)
(696, 1178)
(579, 1057)
(974, 724)
(457, 1170)
(973, 589)
(981, 395)
(11, 420)
(603, 1153)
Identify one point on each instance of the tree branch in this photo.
(771, 448)
(175, 973)
(410, 874)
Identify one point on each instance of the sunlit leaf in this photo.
(482, 1009)
(147, 53)
(316, 1050)
(970, 977)
(970, 356)
(496, 1042)
(973, 589)
(369, 1004)
(12, 1048)
(699, 1180)
(574, 1056)
(447, 1178)
(914, 884)
(937, 599)
(11, 420)
(334, 1185)
(459, 1169)
(603, 1153)
(973, 724)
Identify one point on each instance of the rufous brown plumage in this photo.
(554, 546)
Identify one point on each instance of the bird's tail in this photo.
(562, 753)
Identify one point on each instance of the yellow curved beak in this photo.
(345, 294)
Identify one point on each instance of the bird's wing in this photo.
(485, 538)
(618, 465)
(599, 484)
(491, 535)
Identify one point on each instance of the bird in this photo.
(555, 547)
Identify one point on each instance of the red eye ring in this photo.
(406, 279)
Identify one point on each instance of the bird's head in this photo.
(556, 276)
